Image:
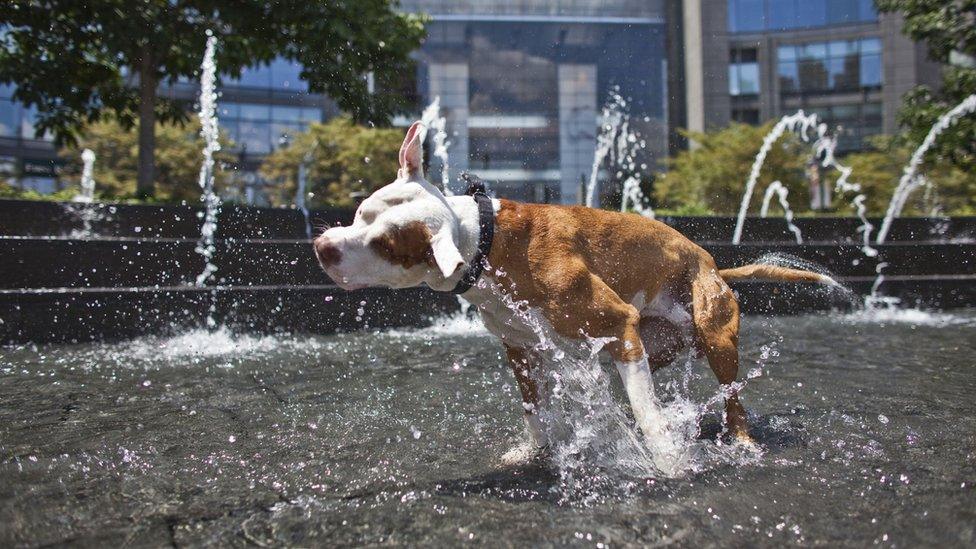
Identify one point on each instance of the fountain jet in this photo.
(210, 131)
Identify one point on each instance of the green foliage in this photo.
(945, 27)
(8, 191)
(343, 158)
(178, 159)
(712, 176)
(76, 61)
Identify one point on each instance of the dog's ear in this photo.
(411, 151)
(445, 252)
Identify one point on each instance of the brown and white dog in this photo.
(589, 272)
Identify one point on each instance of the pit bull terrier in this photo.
(589, 272)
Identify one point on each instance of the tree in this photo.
(712, 177)
(949, 30)
(343, 158)
(77, 61)
(116, 149)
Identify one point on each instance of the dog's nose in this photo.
(327, 252)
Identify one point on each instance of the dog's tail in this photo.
(774, 273)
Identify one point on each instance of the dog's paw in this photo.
(523, 454)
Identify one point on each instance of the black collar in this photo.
(486, 225)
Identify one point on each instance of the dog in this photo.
(636, 281)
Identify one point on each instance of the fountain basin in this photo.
(393, 437)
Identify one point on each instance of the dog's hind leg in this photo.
(716, 317)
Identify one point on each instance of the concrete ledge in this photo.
(86, 314)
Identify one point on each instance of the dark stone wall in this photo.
(132, 272)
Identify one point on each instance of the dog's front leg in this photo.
(522, 364)
(605, 314)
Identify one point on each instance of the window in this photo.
(746, 116)
(743, 72)
(853, 124)
(746, 15)
(280, 74)
(779, 15)
(260, 128)
(837, 66)
(9, 118)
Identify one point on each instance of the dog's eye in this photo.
(366, 215)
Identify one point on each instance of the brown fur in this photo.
(406, 245)
(772, 273)
(582, 268)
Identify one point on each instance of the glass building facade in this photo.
(822, 56)
(522, 85)
(783, 15)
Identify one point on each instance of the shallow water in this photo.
(866, 424)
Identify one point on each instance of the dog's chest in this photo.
(516, 326)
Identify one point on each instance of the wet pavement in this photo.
(866, 424)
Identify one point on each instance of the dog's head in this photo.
(403, 234)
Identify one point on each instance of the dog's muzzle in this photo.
(327, 252)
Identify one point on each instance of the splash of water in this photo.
(87, 194)
(824, 148)
(910, 180)
(594, 444)
(432, 120)
(619, 144)
(777, 188)
(798, 122)
(210, 132)
(300, 192)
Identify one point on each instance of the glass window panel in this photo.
(840, 48)
(228, 109)
(812, 13)
(789, 77)
(280, 113)
(255, 136)
(285, 75)
(872, 110)
(782, 14)
(786, 53)
(866, 10)
(734, 80)
(9, 112)
(27, 122)
(845, 73)
(250, 111)
(310, 114)
(870, 71)
(749, 78)
(255, 77)
(845, 114)
(842, 11)
(871, 45)
(746, 15)
(813, 75)
(816, 50)
(746, 116)
(748, 55)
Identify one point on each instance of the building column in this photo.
(577, 128)
(449, 81)
(694, 65)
